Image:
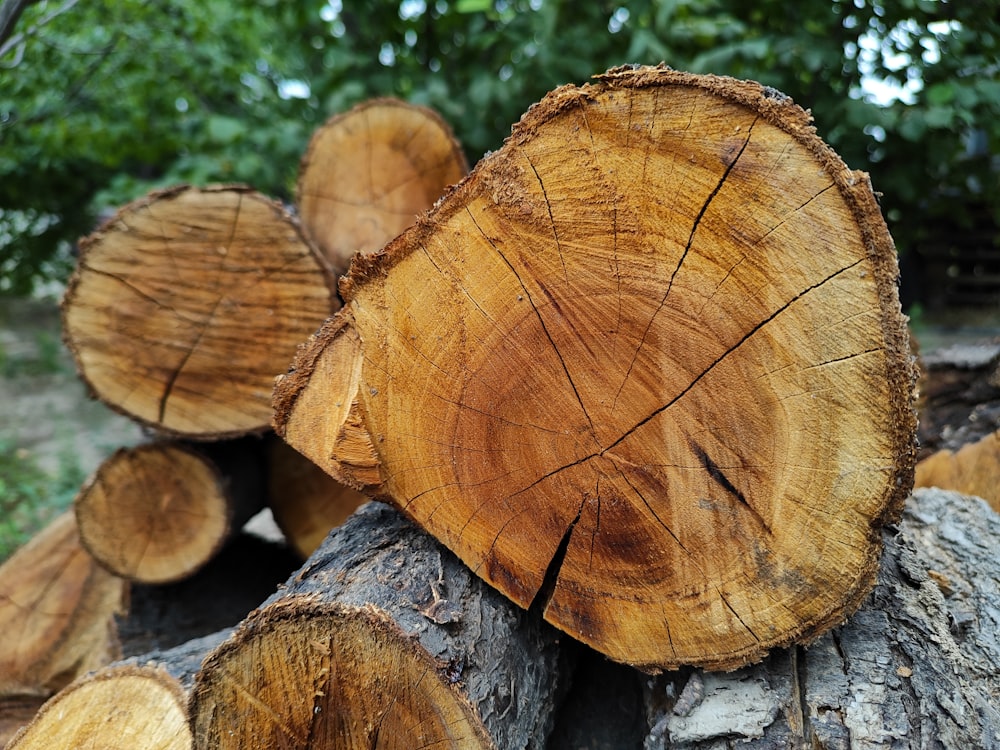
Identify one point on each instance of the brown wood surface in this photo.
(57, 608)
(158, 512)
(645, 368)
(368, 173)
(188, 302)
(306, 501)
(116, 708)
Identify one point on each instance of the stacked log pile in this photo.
(634, 401)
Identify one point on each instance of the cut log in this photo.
(645, 367)
(382, 639)
(916, 667)
(57, 608)
(117, 708)
(158, 512)
(368, 174)
(188, 302)
(974, 469)
(306, 501)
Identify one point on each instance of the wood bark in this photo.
(382, 639)
(306, 501)
(158, 512)
(918, 666)
(617, 367)
(57, 608)
(368, 173)
(188, 302)
(116, 708)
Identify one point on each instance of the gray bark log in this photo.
(505, 661)
(918, 666)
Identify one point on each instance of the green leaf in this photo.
(473, 6)
(225, 130)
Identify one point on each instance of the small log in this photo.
(368, 173)
(57, 608)
(116, 708)
(158, 512)
(382, 639)
(305, 501)
(644, 368)
(915, 667)
(973, 469)
(187, 303)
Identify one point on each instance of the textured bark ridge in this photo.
(382, 639)
(188, 302)
(645, 367)
(916, 667)
(368, 173)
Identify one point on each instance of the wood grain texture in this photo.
(370, 172)
(645, 367)
(187, 303)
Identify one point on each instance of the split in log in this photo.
(974, 469)
(382, 639)
(305, 501)
(645, 368)
(57, 608)
(158, 512)
(368, 173)
(915, 667)
(187, 303)
(118, 708)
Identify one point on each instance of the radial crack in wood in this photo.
(368, 174)
(665, 314)
(187, 303)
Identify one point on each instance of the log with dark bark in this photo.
(158, 512)
(382, 639)
(368, 173)
(187, 303)
(644, 368)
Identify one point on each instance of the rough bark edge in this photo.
(855, 188)
(86, 243)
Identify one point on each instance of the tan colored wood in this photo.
(973, 469)
(187, 303)
(15, 713)
(57, 608)
(117, 708)
(159, 512)
(305, 501)
(368, 173)
(644, 368)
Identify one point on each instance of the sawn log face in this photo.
(646, 366)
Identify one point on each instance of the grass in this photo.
(31, 497)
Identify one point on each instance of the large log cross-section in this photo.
(644, 368)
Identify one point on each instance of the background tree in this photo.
(100, 101)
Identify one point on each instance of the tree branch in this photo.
(10, 12)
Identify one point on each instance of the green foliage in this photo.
(118, 96)
(29, 497)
